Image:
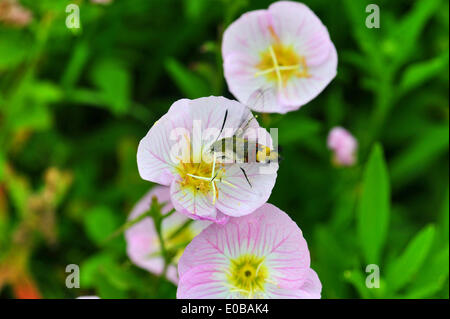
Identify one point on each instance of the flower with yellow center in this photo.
(277, 60)
(176, 152)
(248, 275)
(261, 255)
(280, 63)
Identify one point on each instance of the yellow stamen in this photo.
(248, 275)
(280, 63)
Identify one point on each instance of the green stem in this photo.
(127, 225)
(181, 229)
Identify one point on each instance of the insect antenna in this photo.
(246, 177)
(223, 125)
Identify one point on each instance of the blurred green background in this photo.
(74, 104)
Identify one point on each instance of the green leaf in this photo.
(44, 92)
(420, 155)
(367, 39)
(296, 128)
(99, 223)
(76, 63)
(190, 84)
(2, 164)
(357, 280)
(89, 269)
(431, 277)
(13, 50)
(195, 8)
(401, 270)
(107, 290)
(114, 82)
(443, 222)
(120, 277)
(418, 73)
(408, 31)
(374, 207)
(332, 258)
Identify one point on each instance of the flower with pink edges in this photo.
(143, 245)
(261, 255)
(176, 152)
(343, 145)
(13, 14)
(277, 60)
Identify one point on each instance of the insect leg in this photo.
(223, 125)
(246, 177)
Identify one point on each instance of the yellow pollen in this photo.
(279, 63)
(248, 275)
(192, 183)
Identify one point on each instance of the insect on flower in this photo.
(238, 148)
(183, 150)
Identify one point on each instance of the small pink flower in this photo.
(344, 146)
(176, 152)
(143, 245)
(261, 255)
(12, 13)
(277, 60)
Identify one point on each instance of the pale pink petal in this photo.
(268, 233)
(249, 34)
(300, 91)
(194, 204)
(205, 281)
(153, 157)
(143, 245)
(203, 122)
(293, 25)
(282, 242)
(344, 146)
(311, 288)
(210, 113)
(142, 239)
(243, 198)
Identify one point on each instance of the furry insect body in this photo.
(242, 150)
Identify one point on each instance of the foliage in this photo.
(75, 103)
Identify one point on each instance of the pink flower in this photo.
(12, 13)
(277, 60)
(143, 245)
(262, 255)
(344, 146)
(177, 152)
